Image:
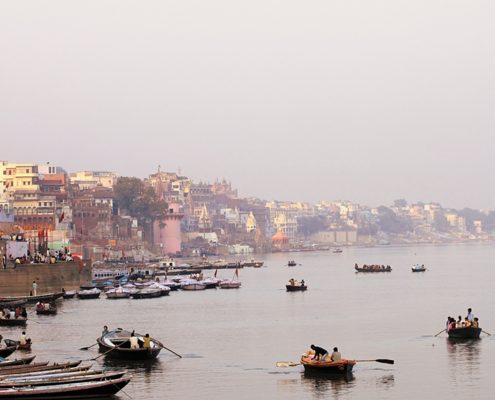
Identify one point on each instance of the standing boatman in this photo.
(470, 316)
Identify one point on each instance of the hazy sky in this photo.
(304, 100)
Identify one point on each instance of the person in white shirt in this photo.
(336, 356)
(470, 315)
(23, 339)
(134, 341)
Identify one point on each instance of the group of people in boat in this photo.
(294, 282)
(321, 355)
(13, 313)
(469, 321)
(133, 339)
(44, 306)
(374, 267)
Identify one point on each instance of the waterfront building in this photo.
(250, 222)
(167, 233)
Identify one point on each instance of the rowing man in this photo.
(320, 353)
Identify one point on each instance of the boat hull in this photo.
(13, 322)
(296, 288)
(82, 390)
(7, 351)
(343, 367)
(464, 333)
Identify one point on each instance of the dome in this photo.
(280, 238)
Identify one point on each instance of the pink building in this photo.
(167, 232)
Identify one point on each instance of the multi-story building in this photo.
(92, 179)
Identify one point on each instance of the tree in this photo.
(390, 222)
(310, 225)
(140, 201)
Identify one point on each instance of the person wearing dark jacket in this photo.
(320, 353)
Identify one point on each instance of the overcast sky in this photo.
(299, 100)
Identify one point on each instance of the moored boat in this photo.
(69, 295)
(67, 390)
(61, 379)
(20, 361)
(146, 293)
(118, 293)
(464, 333)
(192, 285)
(118, 344)
(7, 351)
(229, 284)
(88, 294)
(20, 321)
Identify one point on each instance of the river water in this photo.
(231, 339)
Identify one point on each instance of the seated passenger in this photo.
(467, 323)
(476, 323)
(459, 322)
(336, 356)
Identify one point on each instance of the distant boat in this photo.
(291, 263)
(337, 250)
(418, 268)
(373, 268)
(89, 294)
(296, 287)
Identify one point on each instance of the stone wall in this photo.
(49, 277)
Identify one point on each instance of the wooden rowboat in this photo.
(20, 361)
(84, 370)
(38, 367)
(342, 367)
(373, 268)
(7, 351)
(295, 288)
(43, 310)
(61, 379)
(13, 322)
(68, 390)
(464, 333)
(118, 341)
(10, 342)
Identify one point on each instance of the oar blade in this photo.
(385, 361)
(286, 364)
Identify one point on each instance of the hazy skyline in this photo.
(362, 100)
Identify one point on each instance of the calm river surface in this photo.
(231, 339)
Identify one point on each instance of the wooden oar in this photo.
(88, 347)
(286, 364)
(163, 347)
(443, 330)
(489, 334)
(378, 360)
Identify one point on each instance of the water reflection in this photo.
(464, 360)
(323, 385)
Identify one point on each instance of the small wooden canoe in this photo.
(119, 342)
(43, 310)
(20, 361)
(13, 321)
(296, 288)
(10, 342)
(464, 333)
(373, 268)
(341, 367)
(7, 351)
(69, 390)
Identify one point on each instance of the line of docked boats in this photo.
(23, 379)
